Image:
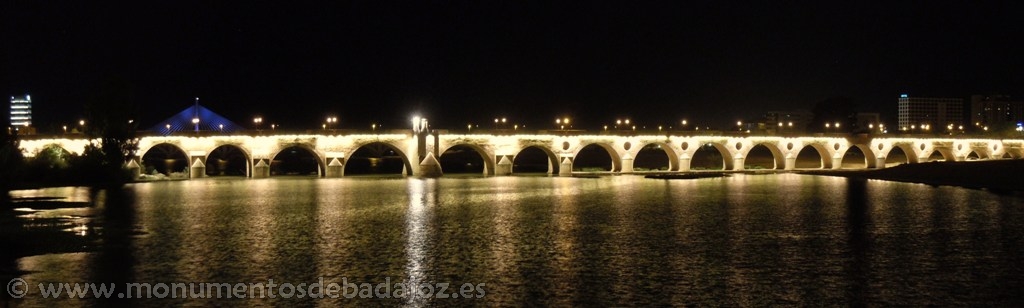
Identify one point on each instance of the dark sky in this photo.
(460, 62)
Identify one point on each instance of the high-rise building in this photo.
(21, 111)
(920, 114)
(997, 111)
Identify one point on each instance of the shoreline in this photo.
(993, 175)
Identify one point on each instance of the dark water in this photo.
(610, 241)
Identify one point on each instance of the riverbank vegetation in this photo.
(110, 125)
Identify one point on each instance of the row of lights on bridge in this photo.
(564, 122)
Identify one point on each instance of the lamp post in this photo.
(256, 122)
(562, 122)
(621, 122)
(331, 121)
(195, 122)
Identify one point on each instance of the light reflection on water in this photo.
(610, 241)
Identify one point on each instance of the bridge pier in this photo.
(737, 163)
(504, 165)
(198, 168)
(430, 167)
(790, 163)
(261, 169)
(335, 169)
(879, 162)
(627, 165)
(565, 169)
(133, 168)
(837, 163)
(684, 164)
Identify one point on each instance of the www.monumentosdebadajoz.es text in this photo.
(19, 288)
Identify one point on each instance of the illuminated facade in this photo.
(21, 111)
(921, 114)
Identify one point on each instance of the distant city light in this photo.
(904, 96)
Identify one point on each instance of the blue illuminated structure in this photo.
(207, 121)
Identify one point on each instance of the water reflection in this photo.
(611, 241)
(422, 200)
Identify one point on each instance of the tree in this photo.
(11, 162)
(110, 120)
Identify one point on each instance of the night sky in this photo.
(467, 62)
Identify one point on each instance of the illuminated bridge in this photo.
(419, 150)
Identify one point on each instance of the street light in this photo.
(195, 122)
(65, 129)
(562, 122)
(257, 121)
(331, 121)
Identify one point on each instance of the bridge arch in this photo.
(487, 156)
(165, 158)
(865, 151)
(616, 159)
(910, 149)
(552, 159)
(317, 156)
(665, 147)
(691, 148)
(381, 147)
(778, 158)
(236, 160)
(947, 153)
(823, 153)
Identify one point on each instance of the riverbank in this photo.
(995, 175)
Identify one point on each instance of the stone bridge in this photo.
(419, 151)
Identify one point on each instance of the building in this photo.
(997, 111)
(923, 114)
(789, 121)
(21, 111)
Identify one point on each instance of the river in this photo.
(780, 239)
